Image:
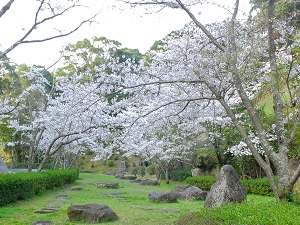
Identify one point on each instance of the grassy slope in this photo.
(22, 213)
(85, 163)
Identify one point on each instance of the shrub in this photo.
(150, 170)
(114, 157)
(253, 186)
(258, 186)
(135, 171)
(180, 175)
(141, 171)
(14, 187)
(110, 163)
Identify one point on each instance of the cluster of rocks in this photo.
(227, 189)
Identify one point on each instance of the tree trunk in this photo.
(42, 164)
(30, 159)
(167, 175)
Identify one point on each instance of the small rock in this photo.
(62, 196)
(143, 207)
(122, 200)
(44, 211)
(129, 177)
(169, 210)
(149, 182)
(76, 188)
(112, 185)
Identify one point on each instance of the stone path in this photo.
(52, 206)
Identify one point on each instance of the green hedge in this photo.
(252, 186)
(180, 175)
(258, 186)
(20, 186)
(202, 182)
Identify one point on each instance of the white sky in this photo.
(131, 27)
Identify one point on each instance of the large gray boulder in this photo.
(167, 197)
(3, 167)
(227, 189)
(91, 213)
(189, 192)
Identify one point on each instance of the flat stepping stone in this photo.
(122, 200)
(44, 211)
(117, 194)
(42, 222)
(169, 210)
(62, 196)
(76, 188)
(143, 207)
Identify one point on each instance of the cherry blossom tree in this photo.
(74, 115)
(230, 62)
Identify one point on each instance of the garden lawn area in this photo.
(137, 209)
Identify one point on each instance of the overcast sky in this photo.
(132, 27)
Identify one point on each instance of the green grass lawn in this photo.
(131, 212)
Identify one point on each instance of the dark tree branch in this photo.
(37, 23)
(201, 26)
(6, 7)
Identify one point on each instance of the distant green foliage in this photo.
(48, 166)
(252, 186)
(135, 171)
(180, 175)
(141, 171)
(14, 187)
(127, 163)
(270, 213)
(110, 163)
(150, 170)
(114, 157)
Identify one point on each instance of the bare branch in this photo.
(201, 26)
(37, 23)
(6, 7)
(11, 110)
(236, 9)
(61, 35)
(295, 176)
(295, 126)
(165, 3)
